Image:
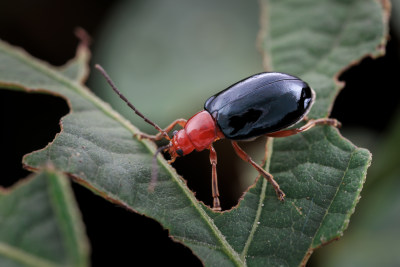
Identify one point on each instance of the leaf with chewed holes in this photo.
(321, 172)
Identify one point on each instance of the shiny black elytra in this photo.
(263, 104)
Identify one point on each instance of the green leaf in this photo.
(378, 214)
(40, 224)
(321, 173)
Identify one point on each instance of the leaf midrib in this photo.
(261, 201)
(88, 95)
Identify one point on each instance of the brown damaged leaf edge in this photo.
(311, 251)
(82, 54)
(380, 50)
(74, 177)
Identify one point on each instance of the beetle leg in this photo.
(164, 133)
(310, 124)
(214, 181)
(243, 155)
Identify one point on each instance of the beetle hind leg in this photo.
(310, 124)
(214, 182)
(244, 156)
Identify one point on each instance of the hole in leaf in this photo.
(28, 123)
(370, 97)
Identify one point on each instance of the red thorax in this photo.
(198, 134)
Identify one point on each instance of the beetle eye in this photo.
(179, 152)
(174, 132)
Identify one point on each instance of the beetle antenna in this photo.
(114, 87)
(154, 171)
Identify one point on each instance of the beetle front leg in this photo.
(214, 181)
(164, 133)
(310, 124)
(243, 155)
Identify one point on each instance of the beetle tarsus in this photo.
(216, 206)
(141, 136)
(280, 194)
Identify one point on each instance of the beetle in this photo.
(266, 104)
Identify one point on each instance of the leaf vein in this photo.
(338, 188)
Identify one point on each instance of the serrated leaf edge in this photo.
(348, 215)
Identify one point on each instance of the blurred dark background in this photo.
(367, 105)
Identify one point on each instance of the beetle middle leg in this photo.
(161, 135)
(310, 124)
(214, 181)
(244, 156)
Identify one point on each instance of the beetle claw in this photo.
(281, 195)
(172, 160)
